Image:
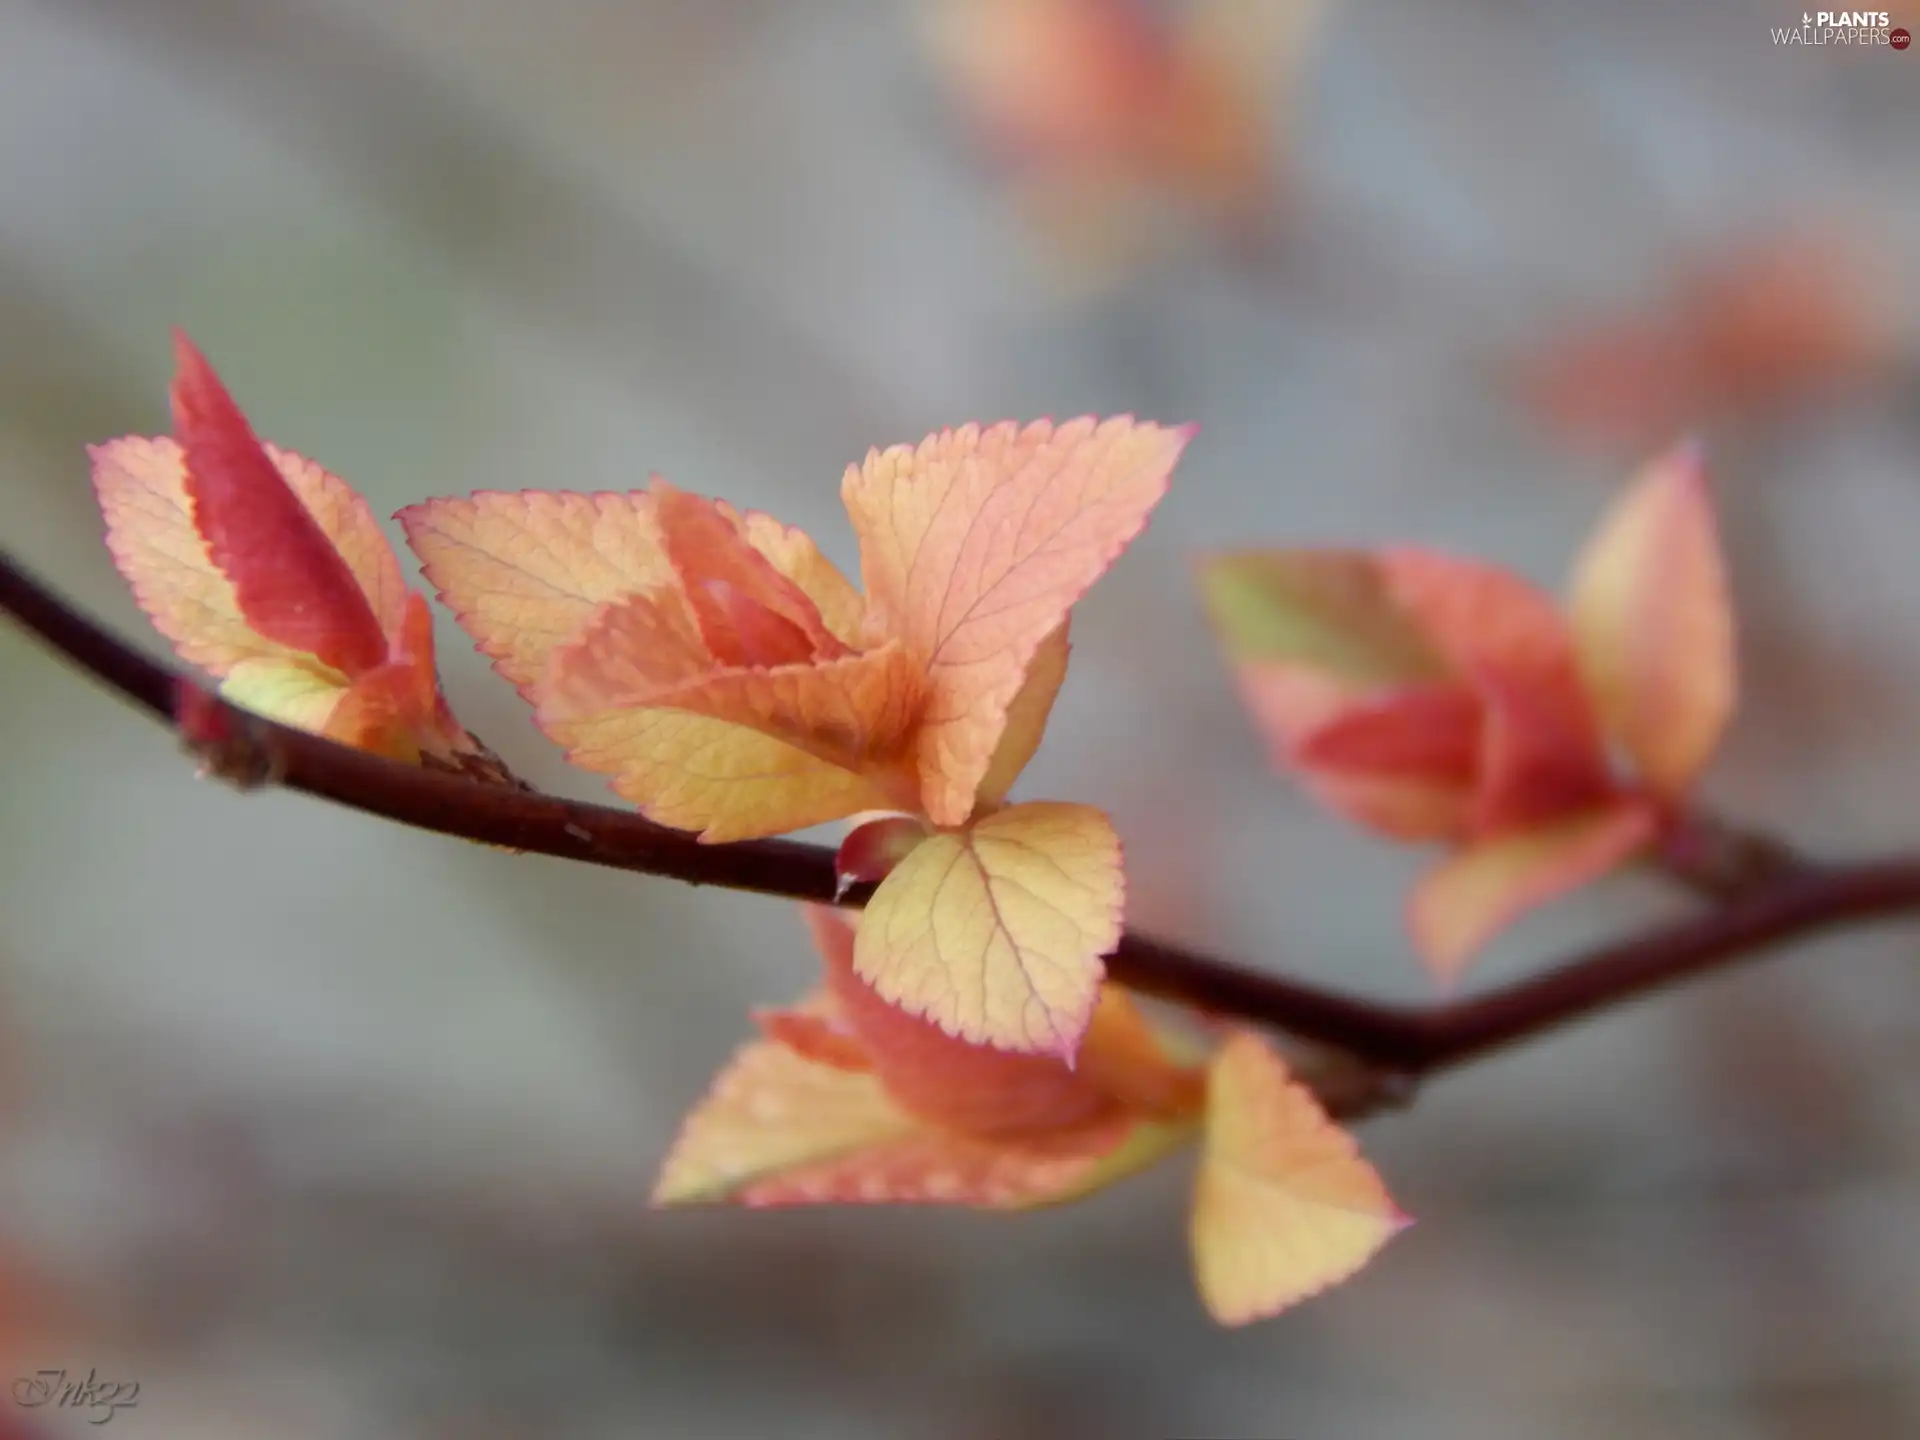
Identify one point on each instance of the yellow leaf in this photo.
(1284, 1206)
(1653, 623)
(1478, 891)
(996, 933)
(727, 782)
(1027, 716)
(299, 692)
(975, 544)
(778, 1129)
(771, 1111)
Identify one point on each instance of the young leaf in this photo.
(525, 572)
(1027, 716)
(778, 1129)
(1284, 1206)
(1654, 624)
(975, 545)
(289, 581)
(794, 555)
(1475, 893)
(692, 772)
(747, 611)
(1541, 749)
(973, 1088)
(817, 1036)
(996, 933)
(619, 696)
(142, 488)
(1430, 732)
(297, 692)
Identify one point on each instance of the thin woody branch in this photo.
(1404, 1043)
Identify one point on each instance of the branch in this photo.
(1402, 1043)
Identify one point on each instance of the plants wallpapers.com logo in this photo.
(1864, 29)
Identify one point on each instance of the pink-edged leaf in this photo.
(1653, 621)
(814, 1035)
(1542, 748)
(1285, 1205)
(747, 611)
(290, 582)
(974, 546)
(1431, 731)
(778, 1129)
(1471, 896)
(944, 1079)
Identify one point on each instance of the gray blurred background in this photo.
(320, 1128)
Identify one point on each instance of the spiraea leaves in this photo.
(271, 574)
(289, 580)
(524, 572)
(1439, 699)
(733, 683)
(850, 1099)
(731, 679)
(996, 933)
(1284, 1206)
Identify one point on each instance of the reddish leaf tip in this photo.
(288, 576)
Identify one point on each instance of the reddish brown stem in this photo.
(1403, 1040)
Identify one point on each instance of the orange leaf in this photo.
(1471, 896)
(1027, 716)
(1430, 731)
(996, 933)
(624, 652)
(725, 781)
(747, 611)
(1284, 1206)
(777, 1129)
(1542, 751)
(975, 545)
(1654, 623)
(290, 582)
(525, 572)
(1755, 326)
(946, 1080)
(823, 1039)
(620, 695)
(142, 489)
(795, 556)
(1291, 707)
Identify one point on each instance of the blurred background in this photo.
(320, 1128)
